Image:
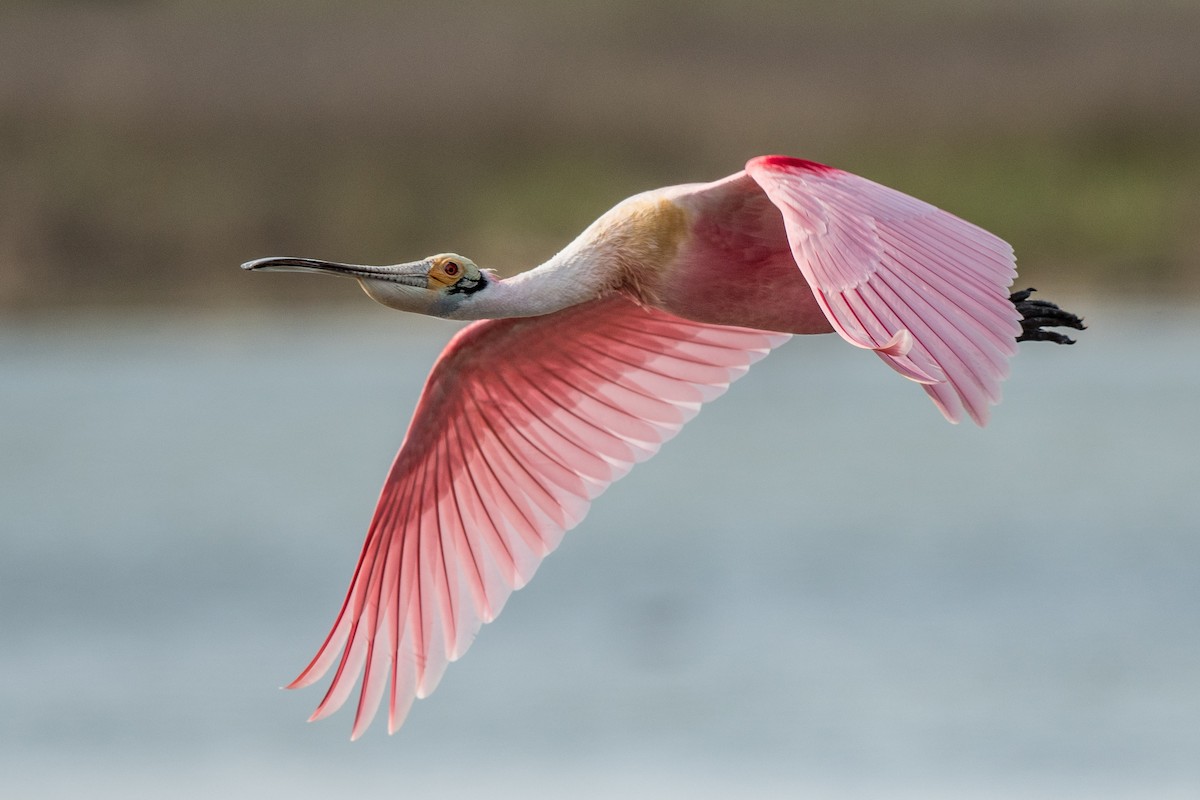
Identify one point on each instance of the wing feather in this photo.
(521, 425)
(927, 291)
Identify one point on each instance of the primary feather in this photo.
(523, 422)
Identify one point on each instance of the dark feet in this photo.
(1036, 313)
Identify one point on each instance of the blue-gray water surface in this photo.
(818, 589)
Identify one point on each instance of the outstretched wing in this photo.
(924, 289)
(521, 424)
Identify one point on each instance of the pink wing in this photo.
(522, 423)
(924, 289)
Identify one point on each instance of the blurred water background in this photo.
(819, 589)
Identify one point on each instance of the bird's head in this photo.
(437, 286)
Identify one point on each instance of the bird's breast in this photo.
(728, 263)
(645, 236)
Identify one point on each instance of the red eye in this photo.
(450, 268)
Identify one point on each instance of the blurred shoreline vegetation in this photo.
(146, 149)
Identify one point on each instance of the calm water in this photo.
(819, 589)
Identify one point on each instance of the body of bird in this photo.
(587, 364)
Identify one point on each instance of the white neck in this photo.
(634, 242)
(573, 276)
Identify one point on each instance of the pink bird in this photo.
(584, 366)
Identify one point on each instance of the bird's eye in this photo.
(450, 268)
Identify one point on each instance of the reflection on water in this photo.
(819, 586)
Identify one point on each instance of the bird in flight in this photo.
(582, 367)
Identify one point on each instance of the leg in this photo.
(1036, 313)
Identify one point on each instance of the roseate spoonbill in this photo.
(588, 363)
